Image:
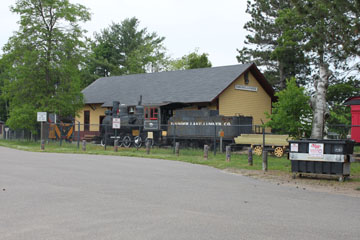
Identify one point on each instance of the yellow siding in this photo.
(239, 102)
(94, 116)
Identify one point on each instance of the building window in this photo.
(246, 77)
(86, 120)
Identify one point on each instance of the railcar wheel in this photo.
(137, 141)
(279, 152)
(126, 142)
(258, 150)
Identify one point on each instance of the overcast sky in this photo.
(213, 26)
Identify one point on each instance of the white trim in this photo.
(246, 88)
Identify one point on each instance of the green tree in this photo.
(191, 61)
(288, 60)
(125, 49)
(329, 33)
(42, 60)
(291, 114)
(3, 102)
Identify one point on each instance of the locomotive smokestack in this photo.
(115, 109)
(140, 101)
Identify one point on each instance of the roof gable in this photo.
(186, 86)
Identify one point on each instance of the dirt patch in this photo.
(320, 183)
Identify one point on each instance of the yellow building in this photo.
(232, 90)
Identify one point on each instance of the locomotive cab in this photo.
(152, 118)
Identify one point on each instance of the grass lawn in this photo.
(357, 149)
(238, 161)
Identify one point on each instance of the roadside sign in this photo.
(41, 116)
(116, 123)
(294, 147)
(7, 129)
(221, 133)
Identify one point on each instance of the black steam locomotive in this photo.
(161, 126)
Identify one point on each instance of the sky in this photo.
(213, 26)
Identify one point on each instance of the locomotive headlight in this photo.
(151, 124)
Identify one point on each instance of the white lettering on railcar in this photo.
(183, 123)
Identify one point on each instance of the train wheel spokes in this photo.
(278, 152)
(126, 142)
(150, 140)
(258, 150)
(137, 141)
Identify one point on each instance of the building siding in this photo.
(94, 116)
(239, 102)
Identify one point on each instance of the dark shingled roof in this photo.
(353, 101)
(184, 86)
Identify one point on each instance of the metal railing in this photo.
(217, 136)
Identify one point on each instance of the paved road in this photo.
(65, 196)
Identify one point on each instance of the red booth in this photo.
(354, 102)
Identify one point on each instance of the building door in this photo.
(101, 118)
(355, 130)
(86, 121)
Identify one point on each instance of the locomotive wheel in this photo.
(151, 141)
(137, 141)
(258, 150)
(102, 142)
(279, 152)
(126, 142)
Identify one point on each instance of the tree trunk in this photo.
(282, 83)
(319, 102)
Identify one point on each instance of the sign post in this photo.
(116, 124)
(7, 133)
(41, 117)
(221, 134)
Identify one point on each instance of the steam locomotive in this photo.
(135, 125)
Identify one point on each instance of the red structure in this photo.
(354, 102)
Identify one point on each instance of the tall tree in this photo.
(125, 49)
(191, 61)
(288, 60)
(330, 37)
(43, 58)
